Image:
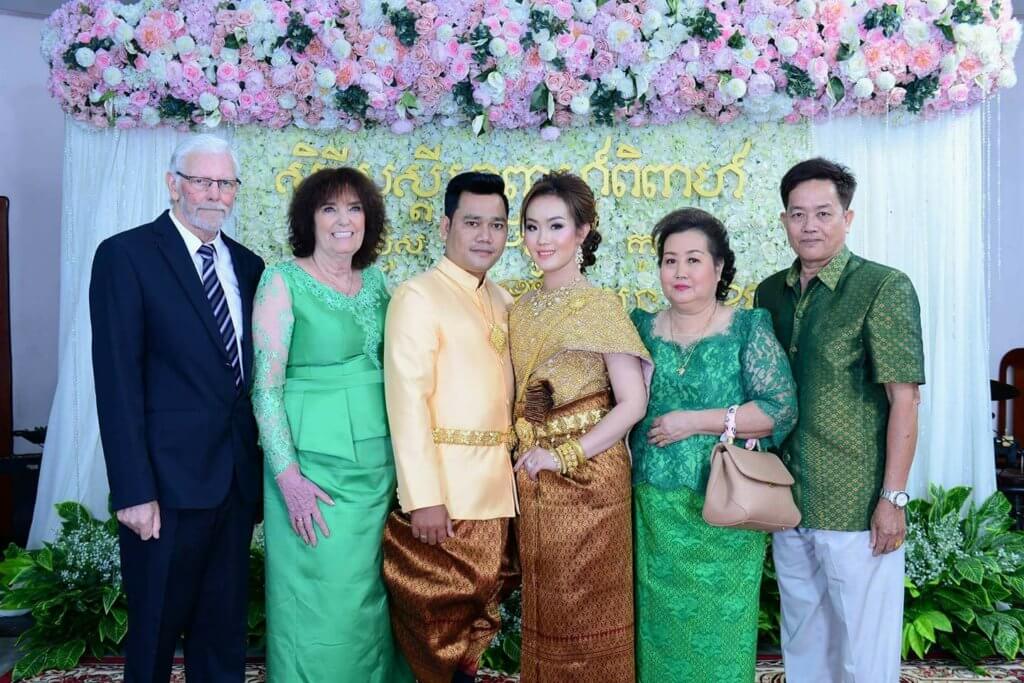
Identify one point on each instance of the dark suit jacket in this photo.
(173, 426)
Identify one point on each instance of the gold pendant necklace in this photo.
(672, 329)
(496, 336)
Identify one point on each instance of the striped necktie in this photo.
(219, 304)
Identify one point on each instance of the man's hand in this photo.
(143, 519)
(300, 497)
(432, 525)
(888, 528)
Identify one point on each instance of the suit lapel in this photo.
(174, 250)
(247, 291)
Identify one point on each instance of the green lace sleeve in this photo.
(767, 378)
(272, 322)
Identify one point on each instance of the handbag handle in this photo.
(729, 435)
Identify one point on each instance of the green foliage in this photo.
(736, 41)
(965, 577)
(886, 17)
(919, 91)
(73, 589)
(603, 103)
(480, 39)
(72, 63)
(171, 108)
(505, 650)
(299, 35)
(404, 22)
(463, 94)
(353, 100)
(964, 581)
(703, 24)
(969, 12)
(798, 82)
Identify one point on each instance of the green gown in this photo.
(319, 401)
(697, 586)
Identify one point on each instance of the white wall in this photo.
(1006, 228)
(31, 156)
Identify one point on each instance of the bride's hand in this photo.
(537, 460)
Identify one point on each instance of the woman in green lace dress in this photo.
(697, 586)
(319, 401)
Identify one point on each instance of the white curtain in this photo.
(113, 180)
(919, 207)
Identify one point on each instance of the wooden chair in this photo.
(1012, 361)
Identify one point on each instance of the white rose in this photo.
(863, 88)
(341, 48)
(150, 116)
(760, 26)
(651, 21)
(915, 31)
(660, 5)
(613, 78)
(445, 33)
(112, 76)
(748, 54)
(660, 50)
(208, 101)
(806, 8)
(735, 88)
(856, 67)
(325, 78)
(496, 81)
(950, 63)
(627, 88)
(937, 6)
(619, 33)
(123, 33)
(280, 58)
(95, 95)
(372, 14)
(381, 50)
(286, 101)
(580, 104)
(85, 57)
(1007, 77)
(498, 47)
(586, 9)
(963, 33)
(547, 51)
(885, 81)
(642, 83)
(787, 46)
(849, 32)
(693, 69)
(185, 45)
(679, 33)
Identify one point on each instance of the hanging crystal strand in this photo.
(998, 213)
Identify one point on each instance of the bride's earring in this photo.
(579, 256)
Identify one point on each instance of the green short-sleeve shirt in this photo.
(854, 329)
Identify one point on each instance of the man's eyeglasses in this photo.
(199, 183)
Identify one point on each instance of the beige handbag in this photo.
(748, 489)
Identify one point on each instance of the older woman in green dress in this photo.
(697, 586)
(319, 401)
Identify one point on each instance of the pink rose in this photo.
(740, 71)
(229, 90)
(563, 118)
(175, 71)
(762, 64)
(896, 96)
(689, 51)
(305, 72)
(282, 75)
(246, 100)
(602, 63)
(103, 60)
(227, 71)
(924, 59)
(428, 10)
(555, 80)
(378, 100)
(760, 85)
(139, 98)
(244, 18)
(192, 72)
(515, 49)
(564, 98)
(818, 70)
(564, 41)
(958, 93)
(970, 67)
(513, 30)
(402, 126)
(229, 110)
(424, 26)
(254, 81)
(387, 74)
(563, 10)
(459, 69)
(727, 115)
(84, 37)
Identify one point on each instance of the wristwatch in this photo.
(897, 498)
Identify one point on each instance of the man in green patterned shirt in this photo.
(852, 329)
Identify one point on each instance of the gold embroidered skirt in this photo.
(576, 552)
(444, 598)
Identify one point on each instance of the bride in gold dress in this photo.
(581, 384)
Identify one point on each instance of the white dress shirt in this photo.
(225, 273)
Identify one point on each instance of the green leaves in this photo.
(703, 24)
(887, 17)
(799, 83)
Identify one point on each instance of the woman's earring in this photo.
(579, 256)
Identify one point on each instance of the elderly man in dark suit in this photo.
(171, 308)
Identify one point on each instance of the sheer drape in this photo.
(919, 208)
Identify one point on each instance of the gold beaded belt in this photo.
(529, 434)
(471, 437)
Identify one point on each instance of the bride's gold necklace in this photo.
(672, 330)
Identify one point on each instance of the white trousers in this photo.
(842, 608)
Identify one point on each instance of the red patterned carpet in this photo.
(768, 671)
